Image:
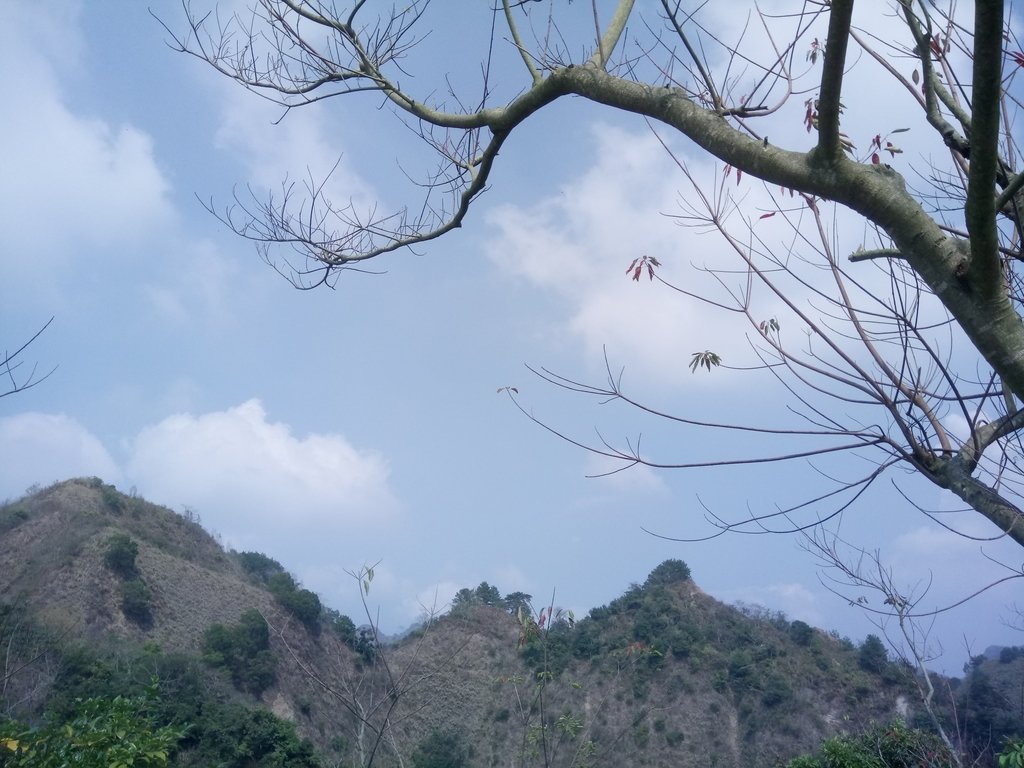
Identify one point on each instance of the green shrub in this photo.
(301, 603)
(120, 555)
(259, 566)
(236, 737)
(101, 733)
(872, 656)
(136, 602)
(113, 499)
(801, 633)
(674, 738)
(1009, 654)
(442, 749)
(889, 746)
(669, 572)
(12, 517)
(244, 650)
(777, 690)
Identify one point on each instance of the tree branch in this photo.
(830, 150)
(980, 210)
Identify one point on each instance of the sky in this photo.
(363, 424)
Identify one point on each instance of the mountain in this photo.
(100, 591)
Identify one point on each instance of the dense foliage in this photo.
(244, 650)
(301, 603)
(101, 733)
(442, 749)
(890, 746)
(107, 686)
(650, 677)
(120, 555)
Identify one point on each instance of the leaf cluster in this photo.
(216, 732)
(102, 733)
(890, 746)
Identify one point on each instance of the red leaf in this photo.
(767, 215)
(875, 159)
(637, 271)
(738, 174)
(1018, 57)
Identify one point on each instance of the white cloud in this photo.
(579, 243)
(242, 470)
(71, 180)
(42, 448)
(313, 502)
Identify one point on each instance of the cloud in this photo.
(70, 176)
(313, 502)
(40, 448)
(244, 471)
(579, 242)
(72, 181)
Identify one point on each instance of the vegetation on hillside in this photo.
(100, 733)
(662, 675)
(244, 651)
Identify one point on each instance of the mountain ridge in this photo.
(665, 673)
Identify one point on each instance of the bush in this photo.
(301, 603)
(342, 625)
(1008, 655)
(120, 555)
(113, 499)
(135, 602)
(441, 750)
(244, 650)
(669, 572)
(872, 656)
(777, 690)
(12, 517)
(259, 566)
(235, 737)
(890, 746)
(801, 633)
(674, 738)
(101, 733)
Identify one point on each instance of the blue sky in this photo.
(333, 428)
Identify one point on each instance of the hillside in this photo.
(103, 590)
